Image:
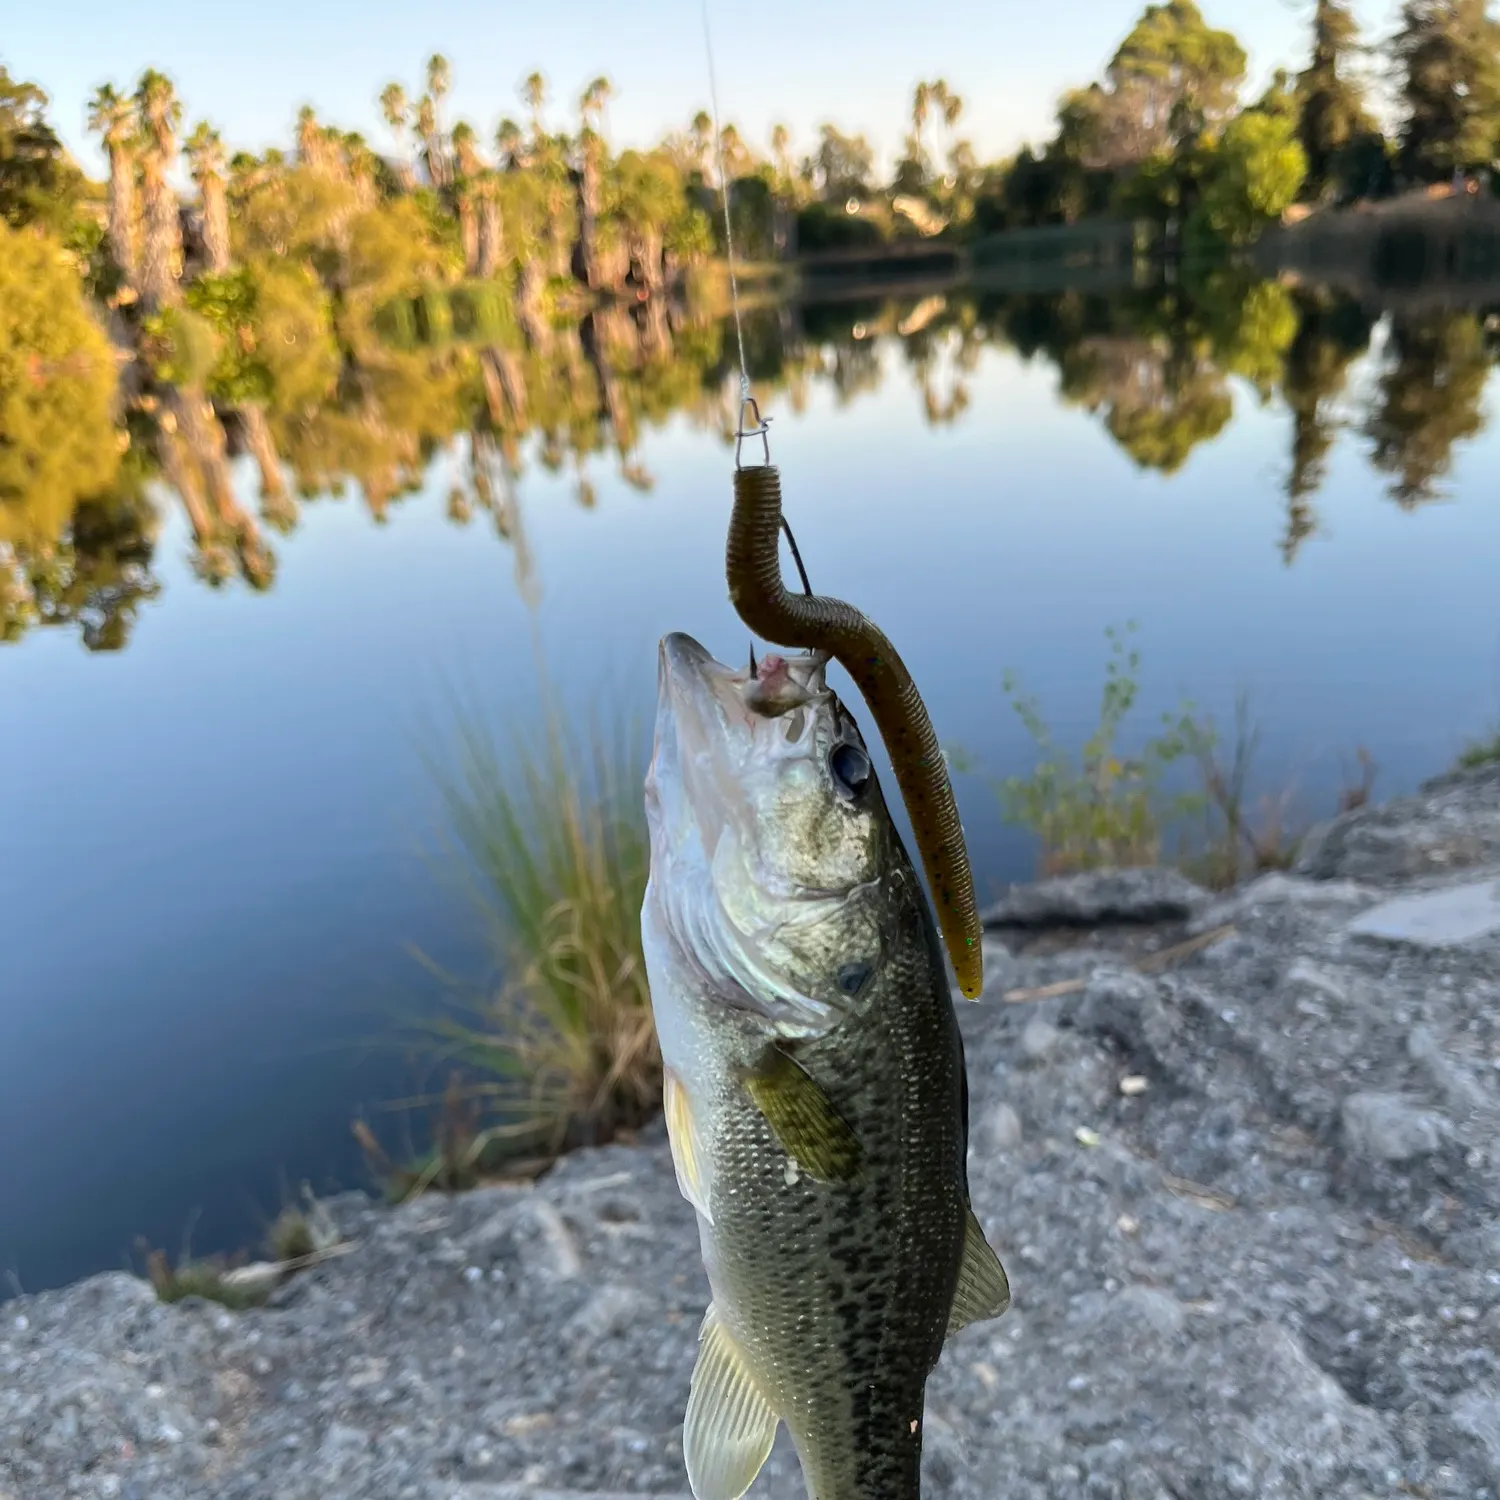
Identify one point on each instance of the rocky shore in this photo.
(1247, 1189)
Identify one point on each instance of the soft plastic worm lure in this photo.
(814, 622)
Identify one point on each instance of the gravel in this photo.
(1250, 1207)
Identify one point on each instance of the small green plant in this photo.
(302, 1230)
(1108, 808)
(1480, 752)
(214, 1280)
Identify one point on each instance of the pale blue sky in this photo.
(249, 68)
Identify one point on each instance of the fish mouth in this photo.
(709, 718)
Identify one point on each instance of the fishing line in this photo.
(734, 290)
(762, 424)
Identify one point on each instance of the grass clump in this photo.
(1480, 752)
(564, 1051)
(215, 1279)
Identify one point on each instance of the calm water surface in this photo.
(221, 845)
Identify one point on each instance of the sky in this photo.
(248, 69)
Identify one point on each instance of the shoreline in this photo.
(1249, 1204)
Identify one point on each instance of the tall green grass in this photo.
(1480, 752)
(552, 832)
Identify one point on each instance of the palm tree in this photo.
(590, 175)
(948, 105)
(469, 166)
(206, 153)
(534, 95)
(432, 147)
(781, 155)
(112, 119)
(439, 81)
(277, 504)
(786, 188)
(394, 109)
(921, 107)
(491, 229)
(701, 133)
(736, 156)
(509, 144)
(307, 135)
(595, 97)
(466, 149)
(362, 163)
(439, 77)
(160, 113)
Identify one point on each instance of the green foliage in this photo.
(1252, 328)
(180, 346)
(555, 837)
(39, 183)
(828, 226)
(228, 304)
(1448, 54)
(1430, 398)
(292, 335)
(1109, 808)
(1251, 176)
(57, 391)
(1480, 752)
(1334, 125)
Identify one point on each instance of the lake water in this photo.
(221, 844)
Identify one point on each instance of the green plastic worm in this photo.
(814, 622)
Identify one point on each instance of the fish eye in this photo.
(850, 768)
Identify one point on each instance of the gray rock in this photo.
(1097, 897)
(1039, 1038)
(1453, 823)
(1386, 1127)
(1272, 1274)
(1449, 917)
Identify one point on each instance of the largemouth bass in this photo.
(815, 1090)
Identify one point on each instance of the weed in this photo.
(1480, 752)
(1109, 809)
(214, 1280)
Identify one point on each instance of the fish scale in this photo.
(839, 1294)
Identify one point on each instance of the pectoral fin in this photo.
(983, 1287)
(811, 1131)
(692, 1162)
(729, 1428)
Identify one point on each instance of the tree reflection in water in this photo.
(326, 408)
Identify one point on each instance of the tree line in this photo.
(1164, 134)
(337, 311)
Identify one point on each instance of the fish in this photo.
(815, 1094)
(838, 629)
